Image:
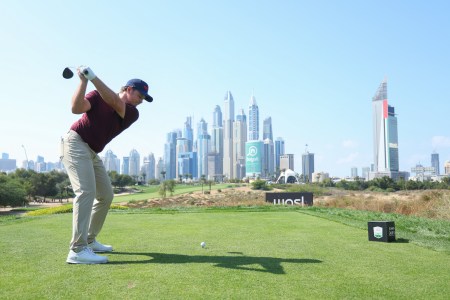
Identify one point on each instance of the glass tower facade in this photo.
(253, 120)
(228, 120)
(435, 163)
(385, 133)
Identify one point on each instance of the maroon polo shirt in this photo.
(98, 126)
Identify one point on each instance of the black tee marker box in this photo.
(381, 231)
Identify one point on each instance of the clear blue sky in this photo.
(313, 67)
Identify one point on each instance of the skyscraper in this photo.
(385, 132)
(267, 129)
(217, 117)
(188, 133)
(435, 163)
(159, 169)
(269, 158)
(125, 165)
(111, 162)
(286, 162)
(228, 120)
(170, 155)
(239, 140)
(216, 145)
(385, 137)
(279, 150)
(253, 120)
(307, 166)
(203, 148)
(148, 167)
(354, 172)
(135, 163)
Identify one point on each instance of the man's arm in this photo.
(110, 97)
(79, 103)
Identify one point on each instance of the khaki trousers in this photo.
(92, 188)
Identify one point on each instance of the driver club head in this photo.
(67, 73)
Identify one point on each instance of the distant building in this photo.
(253, 120)
(254, 155)
(215, 167)
(385, 137)
(286, 162)
(148, 167)
(279, 150)
(228, 120)
(267, 129)
(435, 163)
(447, 168)
(239, 140)
(187, 164)
(125, 165)
(159, 170)
(354, 172)
(319, 176)
(135, 163)
(307, 166)
(111, 162)
(269, 158)
(7, 165)
(170, 155)
(216, 145)
(365, 173)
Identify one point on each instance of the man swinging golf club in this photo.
(105, 115)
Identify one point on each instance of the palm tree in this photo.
(202, 179)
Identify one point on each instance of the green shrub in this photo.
(68, 208)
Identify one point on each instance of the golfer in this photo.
(105, 115)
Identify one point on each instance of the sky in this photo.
(313, 67)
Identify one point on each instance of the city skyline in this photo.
(385, 146)
(312, 67)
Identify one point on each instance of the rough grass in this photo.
(428, 204)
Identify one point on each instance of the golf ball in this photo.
(203, 244)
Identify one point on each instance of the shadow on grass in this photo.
(401, 241)
(267, 264)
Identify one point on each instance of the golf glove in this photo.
(87, 72)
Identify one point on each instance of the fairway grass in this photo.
(279, 254)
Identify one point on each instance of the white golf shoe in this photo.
(85, 256)
(98, 247)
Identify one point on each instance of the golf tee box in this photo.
(381, 231)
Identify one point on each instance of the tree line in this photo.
(24, 186)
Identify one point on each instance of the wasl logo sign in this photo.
(252, 153)
(378, 232)
(290, 198)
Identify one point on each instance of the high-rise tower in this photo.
(279, 150)
(239, 140)
(267, 129)
(228, 120)
(217, 117)
(307, 166)
(188, 133)
(435, 163)
(203, 147)
(385, 136)
(170, 155)
(135, 163)
(253, 120)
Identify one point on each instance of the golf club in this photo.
(68, 73)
